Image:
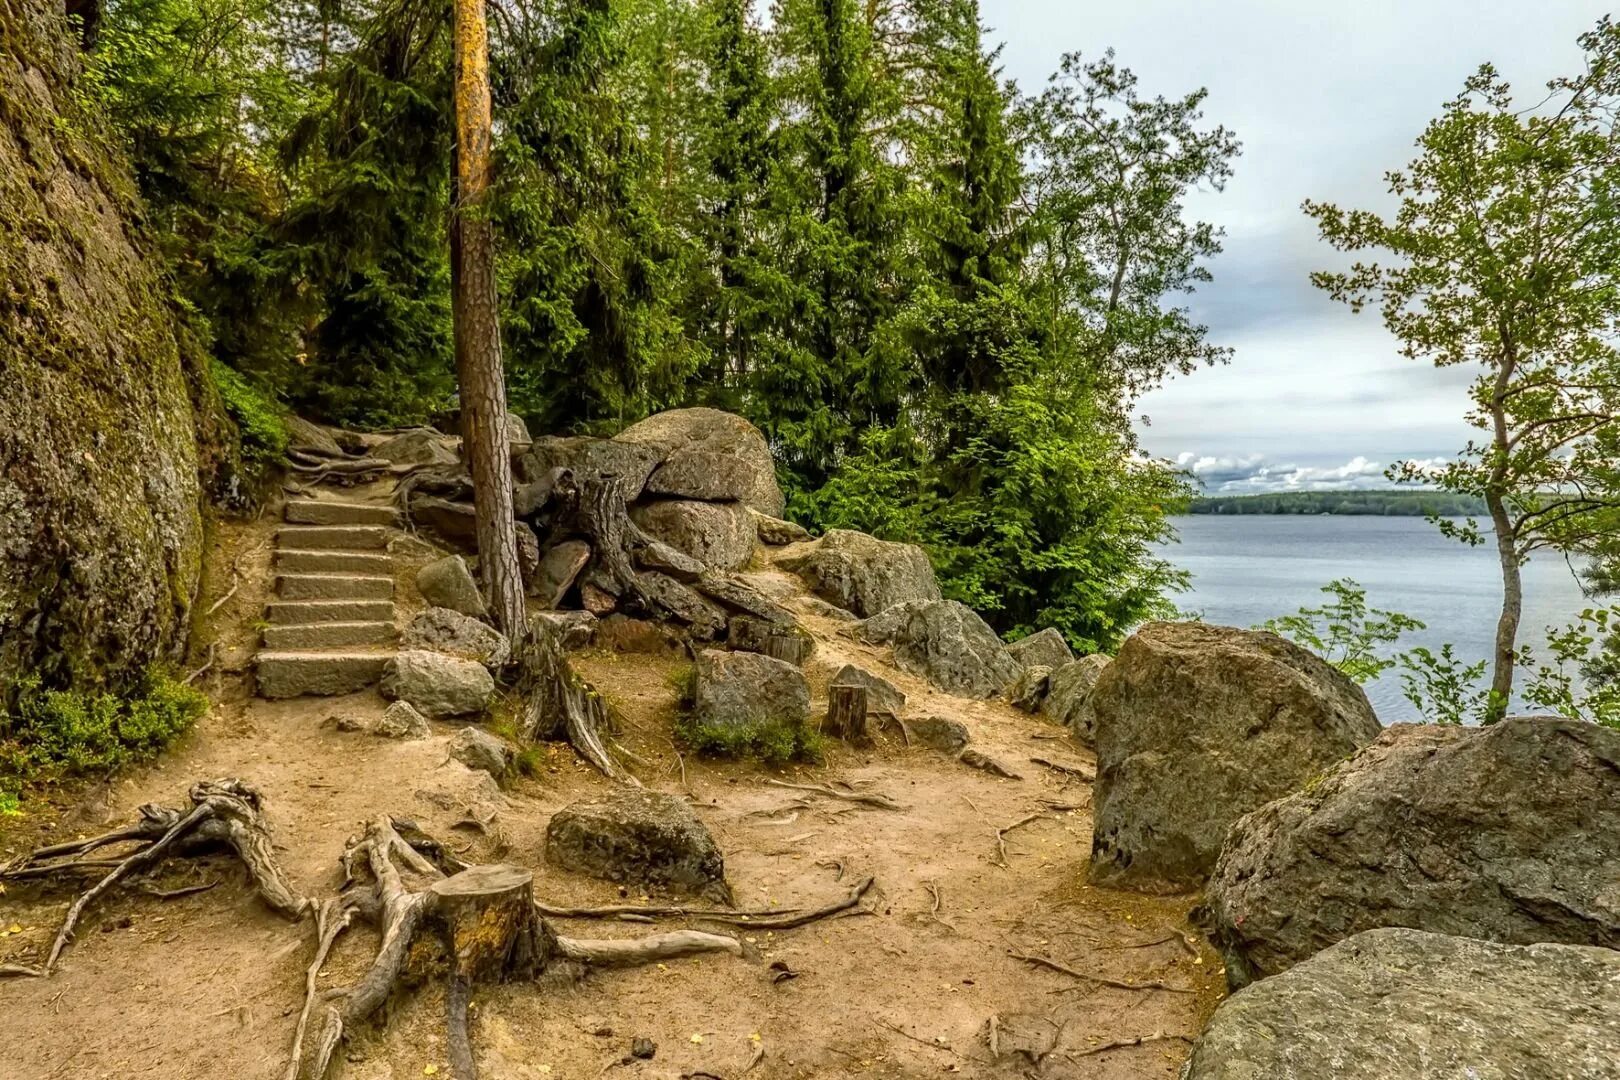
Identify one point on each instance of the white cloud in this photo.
(1253, 474)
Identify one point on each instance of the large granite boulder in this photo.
(1046, 649)
(1509, 833)
(418, 446)
(1197, 725)
(1068, 696)
(711, 455)
(1406, 1005)
(748, 703)
(101, 535)
(638, 837)
(863, 574)
(536, 467)
(455, 634)
(719, 536)
(949, 645)
(437, 684)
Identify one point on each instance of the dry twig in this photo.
(882, 802)
(1100, 980)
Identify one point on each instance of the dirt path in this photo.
(208, 985)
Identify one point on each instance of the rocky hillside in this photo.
(100, 530)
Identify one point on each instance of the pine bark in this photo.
(480, 375)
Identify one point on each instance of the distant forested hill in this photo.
(1374, 503)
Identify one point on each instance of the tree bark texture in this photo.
(480, 375)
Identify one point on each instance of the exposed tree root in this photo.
(558, 703)
(477, 925)
(1099, 980)
(224, 813)
(882, 802)
(767, 919)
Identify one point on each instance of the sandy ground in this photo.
(209, 984)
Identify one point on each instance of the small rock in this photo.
(882, 696)
(559, 568)
(450, 632)
(638, 837)
(347, 723)
(447, 583)
(661, 557)
(401, 721)
(643, 1048)
(777, 532)
(1046, 649)
(310, 438)
(598, 601)
(939, 732)
(621, 633)
(438, 685)
(1030, 691)
(479, 750)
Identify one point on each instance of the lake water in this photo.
(1249, 568)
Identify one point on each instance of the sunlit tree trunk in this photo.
(479, 373)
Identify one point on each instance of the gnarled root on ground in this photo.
(223, 814)
(475, 924)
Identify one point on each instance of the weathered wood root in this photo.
(481, 923)
(777, 919)
(882, 802)
(559, 703)
(1097, 980)
(224, 813)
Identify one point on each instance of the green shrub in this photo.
(258, 419)
(56, 733)
(773, 743)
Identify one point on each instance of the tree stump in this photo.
(846, 715)
(491, 933)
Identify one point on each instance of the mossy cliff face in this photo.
(100, 526)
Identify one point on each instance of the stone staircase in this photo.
(331, 628)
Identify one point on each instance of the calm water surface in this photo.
(1250, 568)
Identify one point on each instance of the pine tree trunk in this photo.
(479, 373)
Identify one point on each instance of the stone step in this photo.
(304, 612)
(333, 537)
(334, 587)
(327, 635)
(293, 561)
(286, 674)
(323, 512)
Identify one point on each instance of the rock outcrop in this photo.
(719, 536)
(951, 647)
(1197, 725)
(743, 700)
(1417, 1006)
(1509, 833)
(101, 533)
(639, 837)
(863, 574)
(1046, 649)
(1068, 696)
(711, 455)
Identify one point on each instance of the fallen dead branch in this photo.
(1100, 980)
(213, 650)
(882, 802)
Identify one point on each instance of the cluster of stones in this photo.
(1418, 901)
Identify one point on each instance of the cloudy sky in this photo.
(1325, 97)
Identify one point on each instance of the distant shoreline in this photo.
(1342, 503)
